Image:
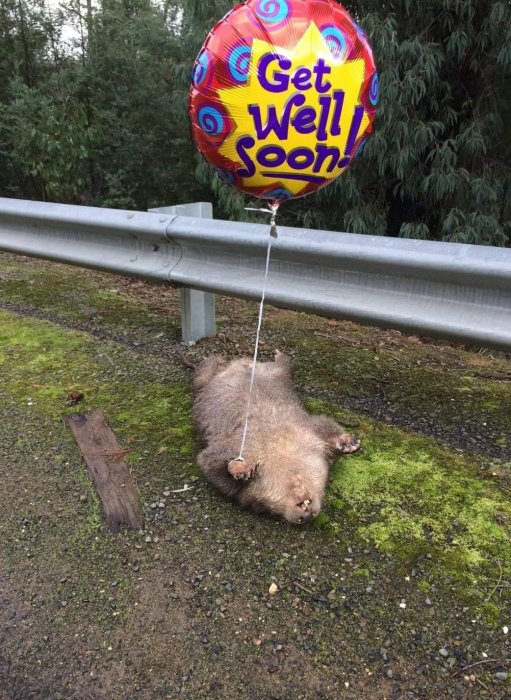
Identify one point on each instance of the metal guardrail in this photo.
(454, 291)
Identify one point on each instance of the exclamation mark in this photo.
(352, 136)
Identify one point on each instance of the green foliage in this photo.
(48, 142)
(105, 121)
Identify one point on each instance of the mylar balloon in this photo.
(283, 97)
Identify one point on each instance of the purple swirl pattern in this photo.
(336, 41)
(239, 63)
(201, 68)
(374, 90)
(272, 11)
(211, 121)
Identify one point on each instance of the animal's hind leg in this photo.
(336, 440)
(207, 370)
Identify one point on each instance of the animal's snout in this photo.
(308, 515)
(305, 511)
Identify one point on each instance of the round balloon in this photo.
(283, 96)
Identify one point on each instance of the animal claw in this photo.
(347, 444)
(240, 469)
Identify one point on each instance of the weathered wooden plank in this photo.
(110, 474)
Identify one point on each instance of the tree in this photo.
(437, 165)
(105, 122)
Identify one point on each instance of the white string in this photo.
(273, 212)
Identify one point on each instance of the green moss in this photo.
(321, 521)
(415, 500)
(76, 296)
(406, 495)
(149, 404)
(362, 573)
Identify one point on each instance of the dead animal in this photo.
(285, 460)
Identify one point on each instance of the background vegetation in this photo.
(93, 102)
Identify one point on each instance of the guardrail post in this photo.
(197, 308)
(451, 290)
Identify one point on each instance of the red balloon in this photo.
(283, 96)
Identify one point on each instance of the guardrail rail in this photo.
(454, 291)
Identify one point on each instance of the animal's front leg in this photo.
(336, 440)
(242, 468)
(344, 443)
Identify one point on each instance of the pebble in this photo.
(501, 676)
(83, 498)
(505, 629)
(402, 604)
(443, 652)
(389, 673)
(272, 590)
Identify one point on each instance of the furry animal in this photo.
(285, 462)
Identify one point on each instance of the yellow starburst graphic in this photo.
(297, 115)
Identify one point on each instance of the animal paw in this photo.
(241, 469)
(346, 443)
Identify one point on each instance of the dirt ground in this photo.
(400, 589)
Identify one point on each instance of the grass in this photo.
(406, 495)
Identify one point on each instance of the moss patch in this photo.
(74, 295)
(133, 615)
(404, 494)
(419, 502)
(148, 403)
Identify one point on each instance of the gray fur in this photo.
(286, 454)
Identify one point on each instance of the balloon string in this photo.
(273, 234)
